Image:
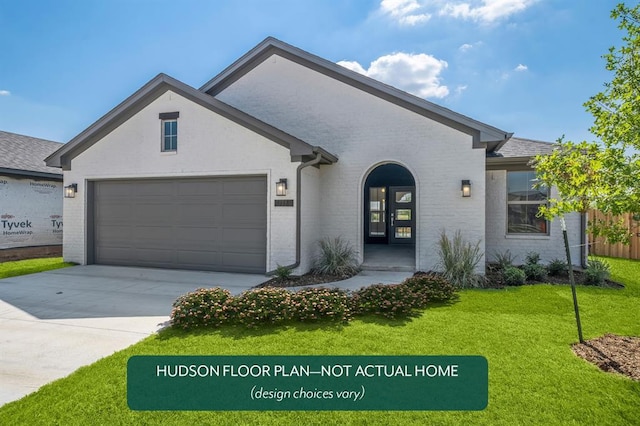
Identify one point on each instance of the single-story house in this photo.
(30, 198)
(282, 149)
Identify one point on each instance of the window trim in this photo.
(168, 117)
(519, 202)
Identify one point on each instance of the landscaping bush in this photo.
(387, 300)
(282, 272)
(458, 260)
(557, 267)
(430, 288)
(504, 259)
(513, 276)
(534, 271)
(597, 272)
(201, 308)
(337, 257)
(313, 304)
(271, 305)
(533, 258)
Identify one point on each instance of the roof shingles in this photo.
(519, 147)
(26, 154)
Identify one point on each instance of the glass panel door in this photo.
(402, 217)
(377, 212)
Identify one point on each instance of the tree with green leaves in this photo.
(603, 175)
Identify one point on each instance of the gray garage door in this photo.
(215, 224)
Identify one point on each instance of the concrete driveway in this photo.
(52, 323)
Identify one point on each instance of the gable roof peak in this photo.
(157, 86)
(484, 135)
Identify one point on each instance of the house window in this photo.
(523, 202)
(169, 131)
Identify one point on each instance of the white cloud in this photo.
(486, 11)
(466, 47)
(418, 74)
(521, 68)
(353, 66)
(405, 12)
(5, 93)
(461, 88)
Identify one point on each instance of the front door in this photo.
(402, 218)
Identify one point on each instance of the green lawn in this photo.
(525, 333)
(31, 266)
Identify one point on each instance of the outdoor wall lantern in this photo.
(281, 187)
(466, 188)
(70, 191)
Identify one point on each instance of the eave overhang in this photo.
(509, 163)
(30, 173)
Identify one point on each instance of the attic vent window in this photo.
(169, 131)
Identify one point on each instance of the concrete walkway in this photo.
(365, 278)
(52, 323)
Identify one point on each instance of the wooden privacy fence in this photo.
(597, 246)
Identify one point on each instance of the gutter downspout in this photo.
(313, 162)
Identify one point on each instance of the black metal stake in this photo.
(572, 280)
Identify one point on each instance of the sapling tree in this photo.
(603, 175)
(576, 172)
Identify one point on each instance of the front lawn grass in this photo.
(524, 332)
(31, 266)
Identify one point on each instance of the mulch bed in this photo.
(303, 280)
(612, 353)
(494, 280)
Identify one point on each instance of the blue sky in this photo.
(524, 66)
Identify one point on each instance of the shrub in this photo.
(513, 276)
(504, 259)
(387, 300)
(201, 308)
(458, 260)
(534, 271)
(282, 272)
(337, 257)
(430, 288)
(557, 267)
(597, 272)
(313, 304)
(271, 305)
(532, 258)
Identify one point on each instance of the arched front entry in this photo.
(389, 216)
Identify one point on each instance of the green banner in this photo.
(307, 383)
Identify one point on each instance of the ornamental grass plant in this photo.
(337, 257)
(459, 259)
(598, 270)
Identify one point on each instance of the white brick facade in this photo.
(548, 246)
(365, 131)
(208, 145)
